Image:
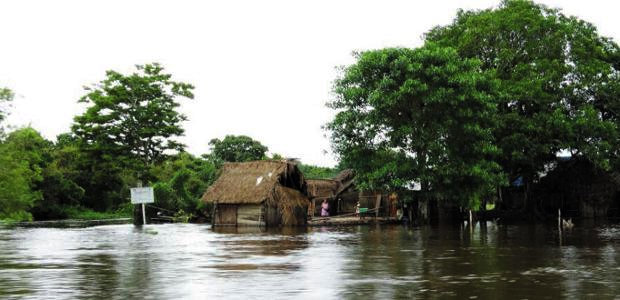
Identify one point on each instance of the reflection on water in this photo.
(192, 261)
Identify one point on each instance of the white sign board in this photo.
(142, 195)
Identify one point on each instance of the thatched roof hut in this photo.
(333, 190)
(260, 193)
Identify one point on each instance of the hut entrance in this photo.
(226, 214)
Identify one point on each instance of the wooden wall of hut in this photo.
(250, 215)
(225, 214)
(368, 199)
(272, 216)
(348, 202)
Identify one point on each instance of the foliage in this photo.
(417, 115)
(127, 134)
(498, 91)
(237, 148)
(59, 184)
(130, 125)
(181, 181)
(21, 160)
(42, 167)
(558, 82)
(316, 172)
(81, 213)
(16, 195)
(132, 119)
(6, 96)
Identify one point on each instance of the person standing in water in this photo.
(325, 208)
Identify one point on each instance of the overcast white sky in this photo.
(261, 68)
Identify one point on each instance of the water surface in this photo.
(192, 261)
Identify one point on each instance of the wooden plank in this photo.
(226, 214)
(249, 215)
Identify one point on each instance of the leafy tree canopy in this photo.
(22, 157)
(498, 93)
(316, 172)
(417, 115)
(6, 96)
(181, 181)
(237, 148)
(132, 119)
(558, 82)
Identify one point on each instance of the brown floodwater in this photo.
(177, 261)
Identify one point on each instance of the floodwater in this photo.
(180, 261)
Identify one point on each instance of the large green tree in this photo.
(130, 124)
(558, 83)
(237, 148)
(418, 115)
(133, 119)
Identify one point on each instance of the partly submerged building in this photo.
(580, 189)
(259, 193)
(339, 192)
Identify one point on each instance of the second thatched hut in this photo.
(259, 193)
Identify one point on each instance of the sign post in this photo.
(142, 195)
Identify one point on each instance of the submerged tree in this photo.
(538, 83)
(558, 83)
(418, 115)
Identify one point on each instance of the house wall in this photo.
(272, 216)
(296, 217)
(258, 215)
(225, 214)
(250, 215)
(348, 202)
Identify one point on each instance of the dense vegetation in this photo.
(490, 98)
(126, 136)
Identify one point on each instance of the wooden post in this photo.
(410, 212)
(313, 207)
(377, 205)
(560, 226)
(214, 216)
(143, 215)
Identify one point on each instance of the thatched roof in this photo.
(321, 188)
(325, 188)
(254, 182)
(344, 176)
